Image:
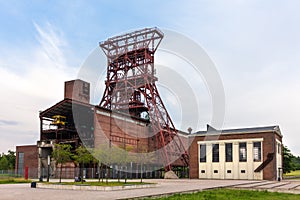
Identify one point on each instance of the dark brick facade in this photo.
(30, 160)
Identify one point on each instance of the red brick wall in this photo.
(136, 135)
(30, 159)
(118, 130)
(269, 172)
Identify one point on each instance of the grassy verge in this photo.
(293, 174)
(100, 183)
(3, 176)
(11, 180)
(225, 194)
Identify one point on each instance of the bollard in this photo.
(33, 184)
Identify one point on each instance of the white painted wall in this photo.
(207, 170)
(279, 159)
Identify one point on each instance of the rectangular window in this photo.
(216, 171)
(229, 171)
(86, 88)
(279, 148)
(21, 163)
(203, 171)
(215, 153)
(243, 171)
(257, 151)
(243, 151)
(228, 152)
(202, 152)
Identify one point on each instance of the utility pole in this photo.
(48, 171)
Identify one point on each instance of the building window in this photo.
(228, 171)
(215, 153)
(21, 163)
(243, 151)
(243, 171)
(86, 88)
(228, 152)
(216, 171)
(202, 152)
(203, 171)
(257, 151)
(279, 148)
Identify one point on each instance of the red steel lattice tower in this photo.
(130, 88)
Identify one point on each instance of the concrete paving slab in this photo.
(297, 188)
(254, 184)
(289, 186)
(24, 192)
(271, 185)
(164, 187)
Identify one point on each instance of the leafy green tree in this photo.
(4, 164)
(9, 160)
(121, 157)
(83, 156)
(143, 157)
(102, 155)
(116, 158)
(296, 162)
(62, 154)
(288, 158)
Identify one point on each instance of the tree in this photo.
(83, 156)
(121, 157)
(144, 157)
(116, 158)
(9, 160)
(4, 164)
(102, 155)
(288, 158)
(296, 161)
(62, 154)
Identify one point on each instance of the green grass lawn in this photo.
(293, 173)
(232, 194)
(11, 180)
(100, 183)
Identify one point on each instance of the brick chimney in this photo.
(78, 90)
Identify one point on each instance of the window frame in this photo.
(228, 154)
(258, 151)
(202, 148)
(242, 157)
(21, 156)
(215, 153)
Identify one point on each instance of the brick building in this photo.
(92, 126)
(248, 153)
(27, 159)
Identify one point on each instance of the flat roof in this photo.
(263, 129)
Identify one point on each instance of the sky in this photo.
(254, 45)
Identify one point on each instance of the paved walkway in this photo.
(288, 186)
(24, 192)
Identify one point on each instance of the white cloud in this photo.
(40, 86)
(256, 49)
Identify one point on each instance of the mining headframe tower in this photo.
(130, 88)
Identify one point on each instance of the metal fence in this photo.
(112, 172)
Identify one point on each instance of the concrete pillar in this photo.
(222, 160)
(250, 162)
(235, 159)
